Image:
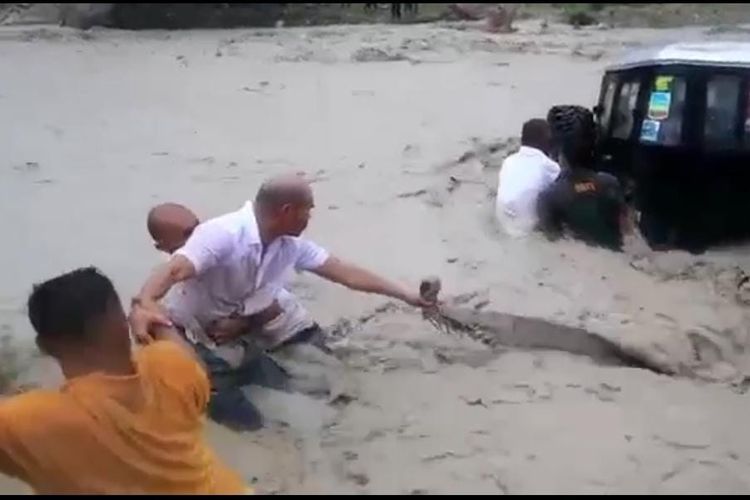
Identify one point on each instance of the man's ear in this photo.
(286, 208)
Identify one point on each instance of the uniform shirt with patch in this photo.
(587, 204)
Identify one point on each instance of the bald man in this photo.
(170, 225)
(231, 365)
(235, 266)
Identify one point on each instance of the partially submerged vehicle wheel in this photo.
(573, 133)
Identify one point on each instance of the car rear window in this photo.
(722, 112)
(666, 105)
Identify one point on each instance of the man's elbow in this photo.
(179, 269)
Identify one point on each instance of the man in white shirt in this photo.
(170, 225)
(237, 363)
(233, 267)
(523, 176)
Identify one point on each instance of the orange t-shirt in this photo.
(140, 433)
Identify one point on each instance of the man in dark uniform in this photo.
(588, 205)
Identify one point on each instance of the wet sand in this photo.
(99, 126)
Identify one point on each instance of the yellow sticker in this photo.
(662, 83)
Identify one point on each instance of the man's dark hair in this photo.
(536, 133)
(66, 305)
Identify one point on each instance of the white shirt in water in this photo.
(522, 177)
(234, 276)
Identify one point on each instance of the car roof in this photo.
(720, 54)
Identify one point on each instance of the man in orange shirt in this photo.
(123, 422)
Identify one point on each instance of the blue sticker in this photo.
(650, 131)
(658, 105)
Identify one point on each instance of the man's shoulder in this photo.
(228, 232)
(33, 409)
(306, 254)
(175, 374)
(164, 354)
(512, 158)
(303, 246)
(231, 222)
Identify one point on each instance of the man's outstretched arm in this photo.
(362, 280)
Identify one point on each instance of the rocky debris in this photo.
(373, 54)
(467, 11)
(729, 282)
(743, 289)
(489, 154)
(86, 15)
(74, 15)
(500, 19)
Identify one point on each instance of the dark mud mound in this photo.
(497, 330)
(139, 16)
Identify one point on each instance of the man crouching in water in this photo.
(171, 225)
(233, 268)
(124, 422)
(231, 367)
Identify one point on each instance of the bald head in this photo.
(170, 225)
(287, 189)
(283, 204)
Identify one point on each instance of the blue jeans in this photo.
(228, 404)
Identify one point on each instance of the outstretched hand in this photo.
(416, 300)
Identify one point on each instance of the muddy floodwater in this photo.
(403, 130)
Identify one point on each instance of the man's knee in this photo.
(231, 408)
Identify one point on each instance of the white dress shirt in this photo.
(235, 276)
(522, 177)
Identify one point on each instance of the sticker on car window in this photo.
(658, 105)
(663, 83)
(650, 131)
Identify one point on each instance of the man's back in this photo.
(522, 177)
(589, 204)
(117, 434)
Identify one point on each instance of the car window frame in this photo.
(741, 137)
